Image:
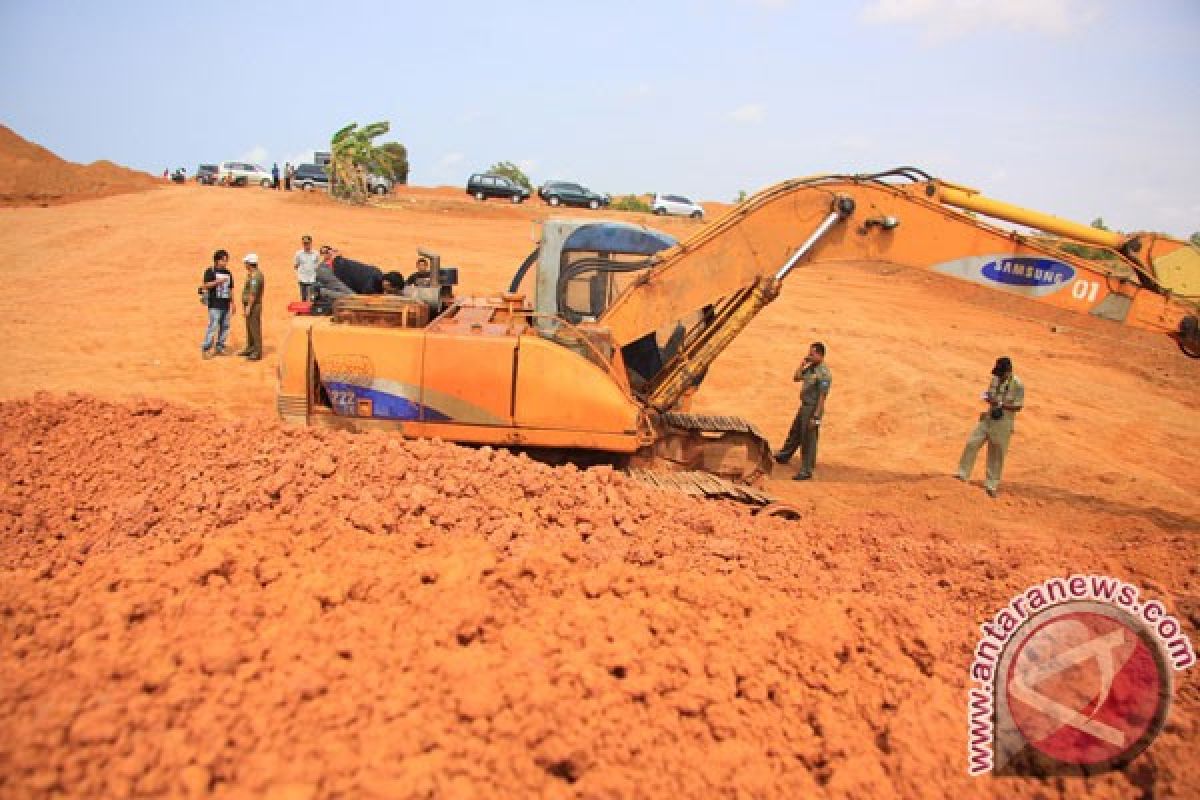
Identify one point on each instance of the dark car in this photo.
(563, 193)
(484, 185)
(309, 177)
(206, 174)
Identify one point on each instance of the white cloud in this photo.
(944, 20)
(255, 155)
(449, 160)
(640, 91)
(751, 113)
(527, 165)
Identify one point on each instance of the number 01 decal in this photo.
(1085, 290)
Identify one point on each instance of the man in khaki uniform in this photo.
(252, 297)
(1005, 396)
(814, 379)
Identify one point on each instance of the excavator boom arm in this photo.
(1149, 281)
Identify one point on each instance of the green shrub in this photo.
(511, 171)
(629, 202)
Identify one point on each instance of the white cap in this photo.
(250, 258)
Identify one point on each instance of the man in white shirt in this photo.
(306, 267)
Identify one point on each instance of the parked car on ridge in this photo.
(206, 174)
(564, 193)
(233, 171)
(309, 177)
(676, 204)
(483, 185)
(377, 184)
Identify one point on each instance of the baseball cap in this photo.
(250, 258)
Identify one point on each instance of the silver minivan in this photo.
(231, 171)
(677, 205)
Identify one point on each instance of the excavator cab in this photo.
(582, 267)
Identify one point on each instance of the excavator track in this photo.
(701, 484)
(709, 422)
(706, 455)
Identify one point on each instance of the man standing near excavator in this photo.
(1005, 396)
(252, 300)
(814, 379)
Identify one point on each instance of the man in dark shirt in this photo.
(218, 283)
(361, 278)
(327, 286)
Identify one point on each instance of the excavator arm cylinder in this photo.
(971, 200)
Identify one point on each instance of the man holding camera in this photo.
(1005, 396)
(814, 379)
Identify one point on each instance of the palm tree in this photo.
(353, 152)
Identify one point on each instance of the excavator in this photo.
(607, 328)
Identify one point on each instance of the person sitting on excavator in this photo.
(327, 284)
(393, 283)
(361, 278)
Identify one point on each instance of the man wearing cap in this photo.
(252, 297)
(306, 262)
(1005, 396)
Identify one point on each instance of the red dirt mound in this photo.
(32, 175)
(193, 607)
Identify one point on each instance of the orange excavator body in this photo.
(580, 364)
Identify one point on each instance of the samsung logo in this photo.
(1028, 271)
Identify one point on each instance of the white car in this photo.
(676, 204)
(231, 171)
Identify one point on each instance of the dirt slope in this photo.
(195, 601)
(32, 175)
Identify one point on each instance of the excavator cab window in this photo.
(590, 281)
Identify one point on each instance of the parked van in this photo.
(235, 171)
(676, 204)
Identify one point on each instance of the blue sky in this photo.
(1080, 108)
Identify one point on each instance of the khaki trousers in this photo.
(997, 433)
